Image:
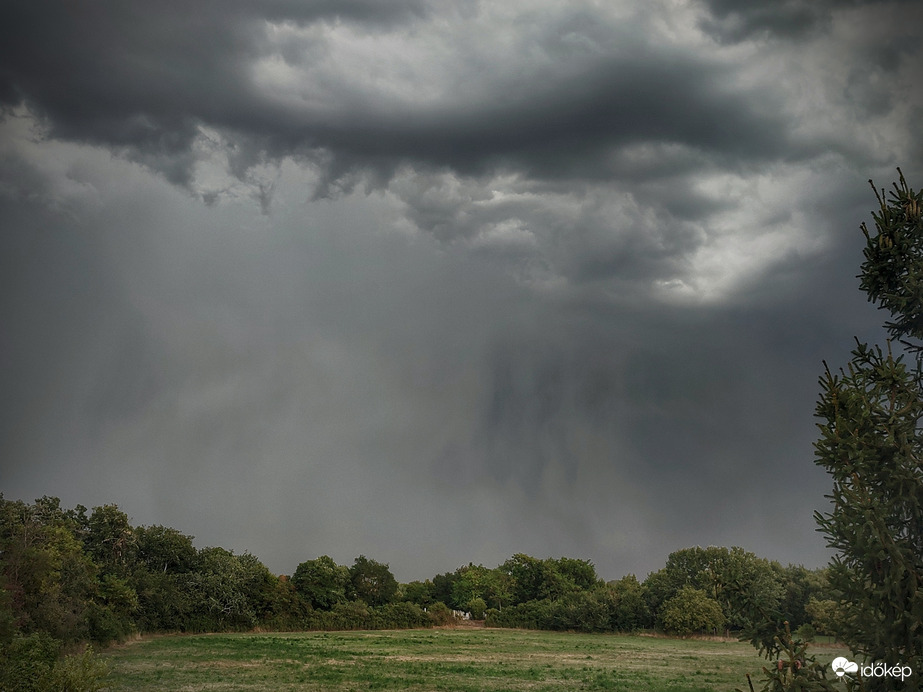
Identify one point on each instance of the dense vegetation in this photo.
(73, 575)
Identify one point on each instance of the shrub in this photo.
(477, 606)
(534, 615)
(439, 614)
(490, 617)
(690, 610)
(806, 632)
(105, 626)
(32, 664)
(27, 663)
(398, 616)
(84, 672)
(581, 611)
(352, 615)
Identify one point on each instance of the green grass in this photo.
(462, 660)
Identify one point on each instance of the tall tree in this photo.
(871, 443)
(164, 557)
(628, 611)
(218, 590)
(581, 573)
(473, 582)
(740, 582)
(527, 576)
(44, 568)
(321, 582)
(443, 588)
(372, 581)
(162, 549)
(530, 578)
(109, 540)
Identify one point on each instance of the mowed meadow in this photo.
(452, 659)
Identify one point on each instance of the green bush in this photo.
(32, 664)
(27, 663)
(84, 672)
(691, 610)
(439, 614)
(490, 617)
(356, 615)
(351, 615)
(806, 632)
(398, 616)
(105, 626)
(533, 615)
(581, 611)
(477, 606)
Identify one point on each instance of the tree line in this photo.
(78, 575)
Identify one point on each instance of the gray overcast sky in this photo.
(439, 282)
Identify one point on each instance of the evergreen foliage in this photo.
(871, 443)
(793, 668)
(892, 273)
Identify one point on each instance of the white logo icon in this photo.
(841, 666)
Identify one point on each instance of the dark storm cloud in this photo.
(738, 20)
(508, 104)
(376, 94)
(144, 78)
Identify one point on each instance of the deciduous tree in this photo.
(691, 610)
(372, 581)
(321, 582)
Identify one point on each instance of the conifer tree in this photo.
(871, 443)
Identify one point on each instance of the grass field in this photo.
(441, 659)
